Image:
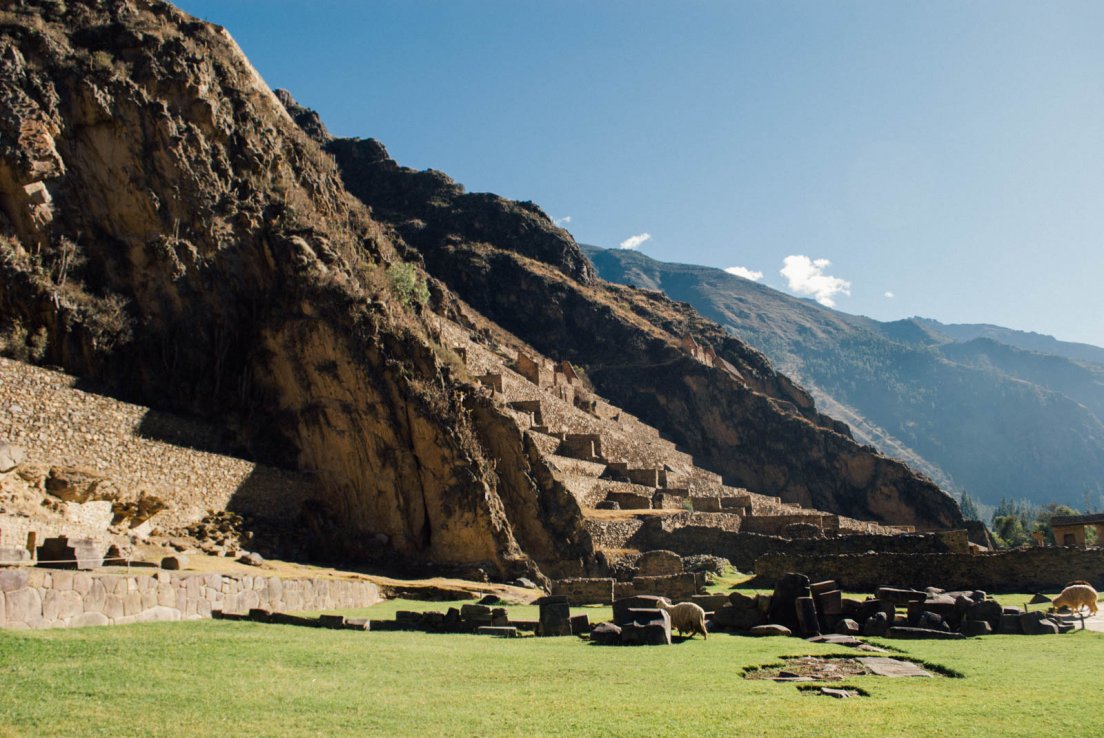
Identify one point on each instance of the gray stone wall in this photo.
(743, 549)
(585, 591)
(56, 598)
(1033, 569)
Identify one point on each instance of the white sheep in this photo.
(686, 617)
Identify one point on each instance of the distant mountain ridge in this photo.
(1027, 340)
(995, 411)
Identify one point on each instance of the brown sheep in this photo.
(1075, 596)
(686, 617)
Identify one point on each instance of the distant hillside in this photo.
(1028, 341)
(955, 402)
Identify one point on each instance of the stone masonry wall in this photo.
(744, 549)
(56, 598)
(1034, 569)
(585, 591)
(138, 448)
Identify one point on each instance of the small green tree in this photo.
(407, 284)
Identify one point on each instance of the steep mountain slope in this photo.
(991, 418)
(715, 397)
(168, 231)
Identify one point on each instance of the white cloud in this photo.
(889, 294)
(806, 277)
(633, 242)
(561, 222)
(745, 273)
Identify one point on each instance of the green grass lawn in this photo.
(212, 678)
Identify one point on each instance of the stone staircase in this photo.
(621, 470)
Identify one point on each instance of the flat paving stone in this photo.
(887, 667)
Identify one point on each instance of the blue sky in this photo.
(950, 154)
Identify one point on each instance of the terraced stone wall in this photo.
(175, 458)
(58, 598)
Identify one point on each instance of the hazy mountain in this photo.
(980, 408)
(1029, 341)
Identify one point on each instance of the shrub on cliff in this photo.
(406, 284)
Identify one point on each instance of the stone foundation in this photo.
(56, 598)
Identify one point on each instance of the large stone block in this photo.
(807, 622)
(158, 614)
(87, 619)
(622, 606)
(783, 610)
(23, 606)
(555, 617)
(734, 616)
(96, 596)
(12, 579)
(82, 582)
(132, 603)
(113, 607)
(61, 605)
(653, 632)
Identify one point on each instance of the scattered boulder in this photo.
(971, 628)
(1037, 623)
(770, 629)
(606, 634)
(876, 625)
(987, 610)
(174, 563)
(250, 558)
(848, 627)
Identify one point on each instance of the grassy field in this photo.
(210, 678)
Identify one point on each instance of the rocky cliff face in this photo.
(717, 397)
(169, 231)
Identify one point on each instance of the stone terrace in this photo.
(604, 455)
(138, 448)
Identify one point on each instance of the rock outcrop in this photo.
(168, 231)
